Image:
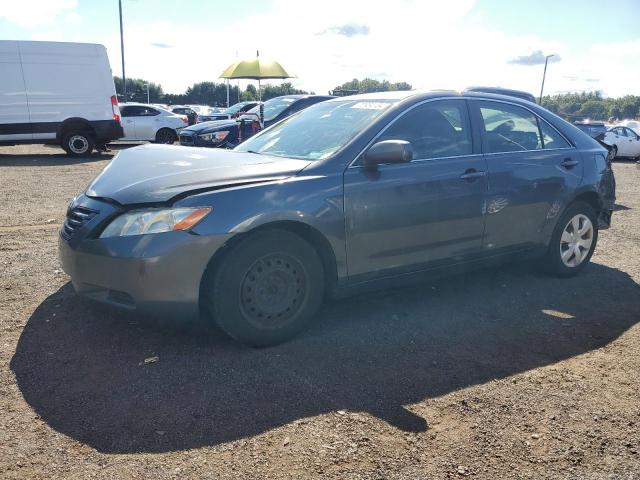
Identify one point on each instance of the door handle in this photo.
(569, 163)
(472, 174)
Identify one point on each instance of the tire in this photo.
(78, 143)
(166, 136)
(569, 254)
(614, 153)
(266, 289)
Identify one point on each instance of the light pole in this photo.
(147, 85)
(546, 60)
(124, 78)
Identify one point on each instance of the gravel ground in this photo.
(497, 374)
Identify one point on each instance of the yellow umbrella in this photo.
(256, 69)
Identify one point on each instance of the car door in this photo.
(127, 113)
(148, 121)
(405, 217)
(632, 141)
(620, 141)
(532, 171)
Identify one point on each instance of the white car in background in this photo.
(632, 124)
(625, 141)
(148, 122)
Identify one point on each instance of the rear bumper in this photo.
(157, 274)
(107, 130)
(604, 219)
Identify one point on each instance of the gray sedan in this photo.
(350, 194)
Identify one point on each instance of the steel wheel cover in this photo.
(273, 290)
(78, 144)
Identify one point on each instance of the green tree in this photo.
(271, 91)
(250, 93)
(368, 85)
(137, 90)
(580, 105)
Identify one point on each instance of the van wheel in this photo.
(267, 288)
(573, 241)
(166, 135)
(77, 144)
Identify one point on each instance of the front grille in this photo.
(186, 139)
(76, 218)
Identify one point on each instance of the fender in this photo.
(294, 202)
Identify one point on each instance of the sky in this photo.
(431, 44)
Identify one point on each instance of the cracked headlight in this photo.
(154, 220)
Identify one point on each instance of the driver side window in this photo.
(436, 129)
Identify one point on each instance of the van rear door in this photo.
(14, 111)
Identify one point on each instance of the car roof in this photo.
(136, 104)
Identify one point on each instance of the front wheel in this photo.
(613, 153)
(267, 288)
(573, 241)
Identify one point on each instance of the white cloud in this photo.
(429, 44)
(35, 13)
(72, 18)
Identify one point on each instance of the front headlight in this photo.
(215, 137)
(154, 220)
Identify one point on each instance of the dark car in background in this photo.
(233, 111)
(503, 91)
(348, 194)
(191, 114)
(231, 132)
(593, 129)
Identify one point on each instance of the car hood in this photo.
(158, 173)
(207, 127)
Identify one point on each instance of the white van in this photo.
(60, 93)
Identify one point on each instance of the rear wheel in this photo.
(266, 289)
(166, 135)
(573, 241)
(77, 143)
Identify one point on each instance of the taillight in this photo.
(185, 120)
(114, 108)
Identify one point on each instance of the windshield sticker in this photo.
(370, 105)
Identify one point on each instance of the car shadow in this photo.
(49, 159)
(58, 157)
(81, 366)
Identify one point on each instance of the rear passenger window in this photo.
(551, 138)
(435, 129)
(509, 128)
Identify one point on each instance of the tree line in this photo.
(571, 106)
(592, 105)
(201, 93)
(215, 94)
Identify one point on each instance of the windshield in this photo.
(273, 107)
(318, 131)
(234, 108)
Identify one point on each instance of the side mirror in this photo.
(388, 151)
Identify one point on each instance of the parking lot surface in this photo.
(501, 373)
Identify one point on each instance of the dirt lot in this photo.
(497, 374)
